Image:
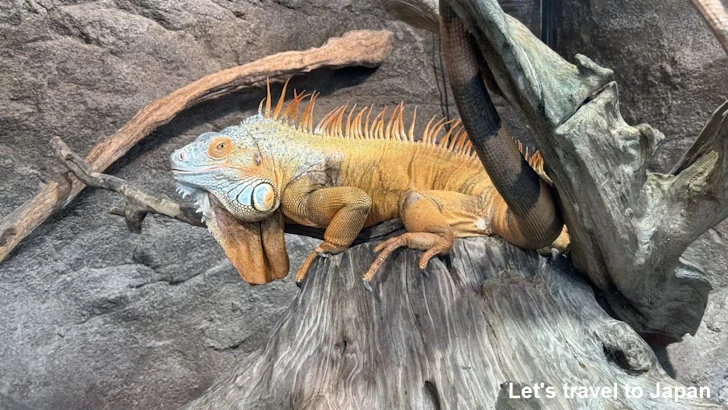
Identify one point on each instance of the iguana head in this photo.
(229, 165)
(235, 190)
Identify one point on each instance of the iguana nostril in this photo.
(181, 156)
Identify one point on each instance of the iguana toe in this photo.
(433, 244)
(325, 249)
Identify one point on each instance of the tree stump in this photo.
(470, 331)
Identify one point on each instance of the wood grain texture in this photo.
(450, 337)
(364, 48)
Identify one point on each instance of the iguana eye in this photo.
(219, 147)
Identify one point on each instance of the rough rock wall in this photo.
(95, 317)
(672, 74)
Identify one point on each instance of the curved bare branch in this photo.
(714, 13)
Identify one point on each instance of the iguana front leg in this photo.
(341, 210)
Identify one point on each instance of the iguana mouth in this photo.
(184, 171)
(193, 171)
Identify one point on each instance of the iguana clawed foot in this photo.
(432, 243)
(324, 250)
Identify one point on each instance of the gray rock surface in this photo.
(672, 74)
(701, 360)
(91, 315)
(95, 317)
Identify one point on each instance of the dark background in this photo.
(92, 316)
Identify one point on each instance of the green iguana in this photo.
(347, 173)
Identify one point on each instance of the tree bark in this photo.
(454, 336)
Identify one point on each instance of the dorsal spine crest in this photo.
(358, 126)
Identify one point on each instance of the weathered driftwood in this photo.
(451, 337)
(629, 226)
(364, 48)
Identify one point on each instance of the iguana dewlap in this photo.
(354, 170)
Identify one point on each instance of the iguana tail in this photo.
(528, 218)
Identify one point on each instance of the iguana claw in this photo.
(433, 244)
(324, 250)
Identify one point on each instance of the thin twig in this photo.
(139, 201)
